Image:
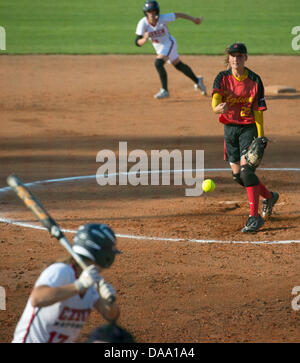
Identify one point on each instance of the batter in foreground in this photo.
(63, 296)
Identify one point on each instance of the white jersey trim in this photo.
(35, 312)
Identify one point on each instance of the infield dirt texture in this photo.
(59, 111)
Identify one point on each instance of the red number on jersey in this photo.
(61, 338)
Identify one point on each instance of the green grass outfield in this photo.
(108, 26)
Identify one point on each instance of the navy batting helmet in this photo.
(150, 6)
(96, 242)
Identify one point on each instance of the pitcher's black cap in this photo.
(238, 48)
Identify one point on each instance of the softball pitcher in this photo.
(238, 98)
(154, 27)
(63, 298)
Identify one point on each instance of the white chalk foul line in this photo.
(85, 177)
(151, 238)
(78, 178)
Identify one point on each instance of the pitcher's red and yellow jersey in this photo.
(242, 96)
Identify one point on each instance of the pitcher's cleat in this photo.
(162, 94)
(268, 205)
(253, 224)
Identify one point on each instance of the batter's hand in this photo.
(198, 21)
(106, 291)
(146, 35)
(221, 108)
(88, 277)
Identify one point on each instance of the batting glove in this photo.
(106, 291)
(88, 277)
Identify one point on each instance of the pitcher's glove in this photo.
(255, 152)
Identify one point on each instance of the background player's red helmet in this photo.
(151, 6)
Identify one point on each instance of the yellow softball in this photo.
(208, 185)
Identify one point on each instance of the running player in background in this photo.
(154, 27)
(238, 98)
(63, 296)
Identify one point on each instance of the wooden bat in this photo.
(44, 217)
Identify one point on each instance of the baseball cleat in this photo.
(162, 94)
(268, 205)
(200, 85)
(253, 224)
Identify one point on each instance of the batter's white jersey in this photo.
(60, 322)
(159, 35)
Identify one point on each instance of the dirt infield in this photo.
(57, 112)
